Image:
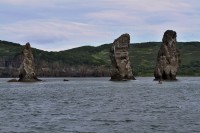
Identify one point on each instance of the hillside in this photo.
(95, 61)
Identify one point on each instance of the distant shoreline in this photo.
(90, 61)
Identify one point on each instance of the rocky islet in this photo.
(168, 59)
(27, 68)
(121, 68)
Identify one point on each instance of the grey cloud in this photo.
(70, 23)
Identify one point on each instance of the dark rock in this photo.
(27, 68)
(168, 60)
(65, 80)
(13, 80)
(121, 68)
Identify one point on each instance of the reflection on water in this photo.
(99, 105)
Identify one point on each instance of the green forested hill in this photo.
(142, 56)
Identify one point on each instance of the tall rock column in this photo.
(27, 70)
(121, 68)
(168, 59)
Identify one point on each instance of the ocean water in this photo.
(97, 105)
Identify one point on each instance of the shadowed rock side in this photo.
(121, 68)
(27, 70)
(168, 60)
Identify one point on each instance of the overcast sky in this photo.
(63, 24)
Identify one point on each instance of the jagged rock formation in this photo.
(168, 60)
(27, 70)
(121, 68)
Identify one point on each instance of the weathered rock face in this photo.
(27, 70)
(121, 68)
(168, 60)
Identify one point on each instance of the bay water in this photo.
(97, 105)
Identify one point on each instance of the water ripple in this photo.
(96, 105)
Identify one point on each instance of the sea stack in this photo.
(121, 68)
(27, 68)
(168, 59)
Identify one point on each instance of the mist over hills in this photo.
(95, 61)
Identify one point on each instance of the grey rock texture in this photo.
(27, 68)
(168, 59)
(121, 68)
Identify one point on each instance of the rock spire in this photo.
(121, 68)
(27, 68)
(168, 59)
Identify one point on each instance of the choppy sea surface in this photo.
(97, 105)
